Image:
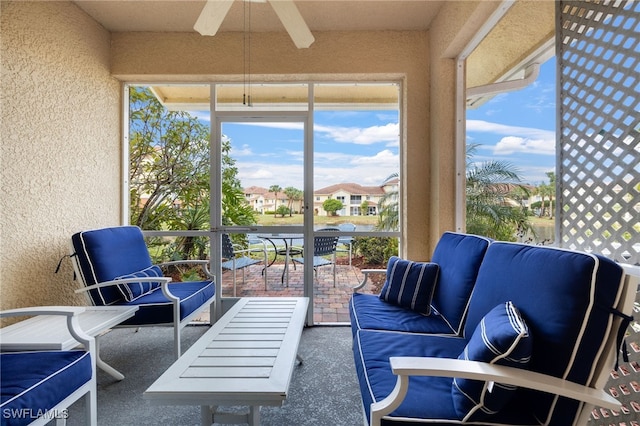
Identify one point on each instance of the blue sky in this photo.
(363, 146)
(519, 127)
(350, 146)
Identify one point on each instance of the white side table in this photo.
(50, 333)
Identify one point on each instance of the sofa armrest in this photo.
(366, 273)
(203, 263)
(404, 367)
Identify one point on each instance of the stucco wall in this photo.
(60, 152)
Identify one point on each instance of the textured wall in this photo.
(60, 152)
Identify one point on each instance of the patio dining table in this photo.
(288, 250)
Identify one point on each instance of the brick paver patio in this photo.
(331, 304)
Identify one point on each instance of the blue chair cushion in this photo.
(35, 382)
(155, 308)
(459, 257)
(132, 291)
(104, 254)
(410, 284)
(502, 337)
(368, 311)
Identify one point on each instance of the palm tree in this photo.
(489, 211)
(389, 217)
(275, 189)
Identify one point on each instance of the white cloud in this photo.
(514, 144)
(329, 168)
(516, 139)
(388, 133)
(244, 151)
(504, 129)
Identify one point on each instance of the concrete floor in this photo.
(323, 391)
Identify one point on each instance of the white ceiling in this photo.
(320, 15)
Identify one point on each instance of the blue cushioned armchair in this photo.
(115, 268)
(38, 386)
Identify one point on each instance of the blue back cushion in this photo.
(565, 297)
(108, 253)
(410, 284)
(502, 337)
(459, 257)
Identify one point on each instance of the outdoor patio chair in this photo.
(38, 386)
(347, 240)
(237, 258)
(322, 247)
(115, 268)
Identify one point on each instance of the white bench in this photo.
(246, 358)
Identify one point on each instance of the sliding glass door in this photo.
(249, 178)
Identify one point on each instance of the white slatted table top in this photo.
(246, 358)
(50, 332)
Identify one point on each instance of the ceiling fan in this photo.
(214, 12)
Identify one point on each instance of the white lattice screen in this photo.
(598, 55)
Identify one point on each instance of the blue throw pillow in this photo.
(502, 337)
(133, 291)
(410, 284)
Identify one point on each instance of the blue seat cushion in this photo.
(368, 311)
(132, 291)
(35, 382)
(459, 257)
(105, 254)
(429, 399)
(155, 308)
(410, 284)
(502, 337)
(566, 298)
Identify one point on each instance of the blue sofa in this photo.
(534, 318)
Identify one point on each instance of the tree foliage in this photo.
(293, 194)
(389, 215)
(276, 189)
(169, 174)
(332, 205)
(489, 211)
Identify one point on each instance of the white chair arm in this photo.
(43, 310)
(366, 273)
(162, 280)
(404, 367)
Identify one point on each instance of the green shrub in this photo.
(376, 250)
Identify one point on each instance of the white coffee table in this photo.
(50, 333)
(246, 358)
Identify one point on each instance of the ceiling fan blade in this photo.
(293, 22)
(211, 17)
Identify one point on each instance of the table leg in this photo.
(254, 415)
(206, 415)
(104, 366)
(286, 260)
